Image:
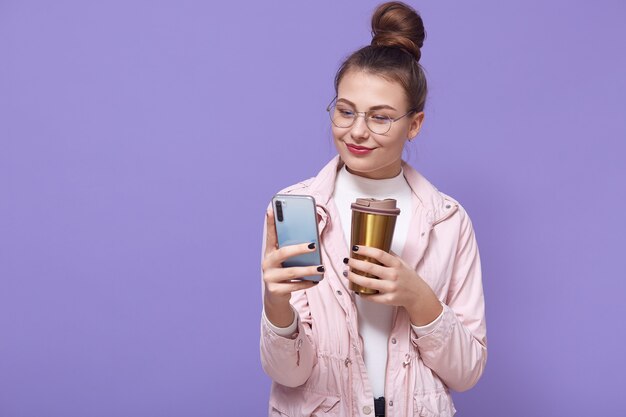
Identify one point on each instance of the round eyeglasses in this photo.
(343, 116)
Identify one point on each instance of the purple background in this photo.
(140, 142)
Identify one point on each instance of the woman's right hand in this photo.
(276, 278)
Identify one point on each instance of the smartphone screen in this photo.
(296, 222)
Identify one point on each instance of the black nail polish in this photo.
(315, 282)
(321, 268)
(312, 245)
(345, 274)
(345, 260)
(355, 248)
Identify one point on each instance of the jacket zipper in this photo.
(298, 345)
(348, 362)
(405, 365)
(393, 325)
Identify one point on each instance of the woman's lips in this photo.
(358, 150)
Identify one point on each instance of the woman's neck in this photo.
(388, 172)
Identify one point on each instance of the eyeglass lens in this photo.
(344, 116)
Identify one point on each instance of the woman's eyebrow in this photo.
(380, 106)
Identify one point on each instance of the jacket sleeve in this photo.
(288, 361)
(456, 350)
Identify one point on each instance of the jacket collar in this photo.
(429, 207)
(435, 205)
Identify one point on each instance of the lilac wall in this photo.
(140, 142)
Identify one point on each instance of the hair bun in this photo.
(396, 24)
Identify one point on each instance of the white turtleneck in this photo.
(375, 319)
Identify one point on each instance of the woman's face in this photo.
(360, 92)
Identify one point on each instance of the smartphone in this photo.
(296, 222)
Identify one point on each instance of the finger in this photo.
(289, 251)
(291, 273)
(381, 272)
(271, 242)
(379, 298)
(378, 254)
(398, 257)
(289, 287)
(276, 257)
(371, 283)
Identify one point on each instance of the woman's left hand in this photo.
(399, 284)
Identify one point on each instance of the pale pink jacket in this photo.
(321, 372)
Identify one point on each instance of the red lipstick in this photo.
(358, 150)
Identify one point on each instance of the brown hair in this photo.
(398, 34)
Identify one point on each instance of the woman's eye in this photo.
(379, 118)
(345, 112)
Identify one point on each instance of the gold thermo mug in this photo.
(373, 222)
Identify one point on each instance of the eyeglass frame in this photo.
(364, 113)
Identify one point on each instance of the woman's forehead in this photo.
(367, 90)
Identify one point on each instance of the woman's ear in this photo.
(416, 124)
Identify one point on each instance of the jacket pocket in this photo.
(433, 405)
(305, 404)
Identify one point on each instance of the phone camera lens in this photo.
(279, 211)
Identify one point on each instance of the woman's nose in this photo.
(359, 128)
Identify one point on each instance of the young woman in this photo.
(330, 352)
